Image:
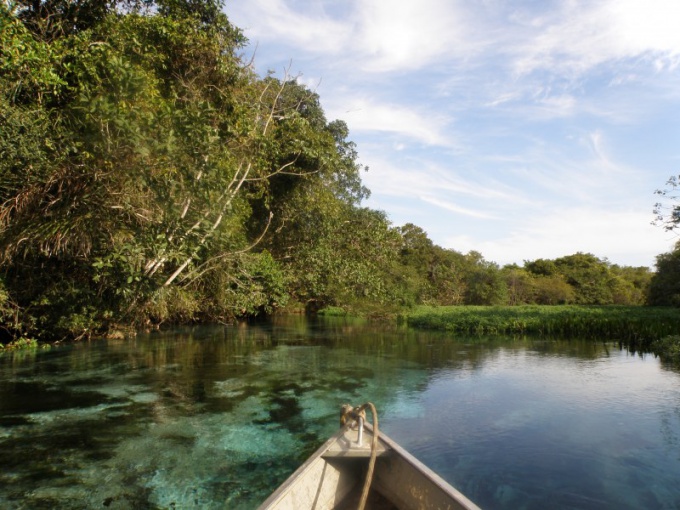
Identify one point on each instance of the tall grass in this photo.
(634, 325)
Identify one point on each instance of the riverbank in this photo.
(649, 329)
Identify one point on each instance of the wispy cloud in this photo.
(525, 129)
(393, 36)
(457, 209)
(371, 114)
(577, 35)
(278, 20)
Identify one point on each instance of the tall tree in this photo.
(665, 284)
(135, 181)
(589, 276)
(485, 283)
(520, 284)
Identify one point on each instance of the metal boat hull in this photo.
(334, 475)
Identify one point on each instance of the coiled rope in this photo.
(356, 414)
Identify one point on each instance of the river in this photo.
(217, 416)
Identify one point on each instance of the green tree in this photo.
(154, 167)
(520, 285)
(591, 281)
(589, 276)
(448, 277)
(139, 167)
(541, 267)
(485, 282)
(344, 260)
(436, 275)
(633, 283)
(664, 289)
(418, 253)
(552, 290)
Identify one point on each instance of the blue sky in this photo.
(520, 129)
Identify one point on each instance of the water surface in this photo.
(217, 417)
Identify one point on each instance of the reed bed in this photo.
(635, 325)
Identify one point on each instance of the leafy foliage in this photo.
(147, 175)
(583, 278)
(158, 179)
(665, 285)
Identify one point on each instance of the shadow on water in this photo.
(215, 417)
(20, 397)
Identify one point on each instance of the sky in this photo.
(521, 129)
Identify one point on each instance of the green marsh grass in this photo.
(635, 325)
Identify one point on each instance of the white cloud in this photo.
(603, 160)
(438, 185)
(376, 36)
(605, 233)
(501, 97)
(386, 35)
(579, 35)
(405, 34)
(457, 209)
(277, 20)
(558, 106)
(646, 25)
(372, 115)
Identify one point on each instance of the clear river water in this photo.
(217, 417)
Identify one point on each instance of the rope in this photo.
(355, 413)
(374, 454)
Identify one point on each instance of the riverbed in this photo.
(218, 416)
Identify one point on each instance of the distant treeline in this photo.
(148, 175)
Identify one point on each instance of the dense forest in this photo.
(148, 175)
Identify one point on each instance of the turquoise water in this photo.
(217, 417)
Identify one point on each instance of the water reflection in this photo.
(216, 417)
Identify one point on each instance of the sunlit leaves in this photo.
(157, 165)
